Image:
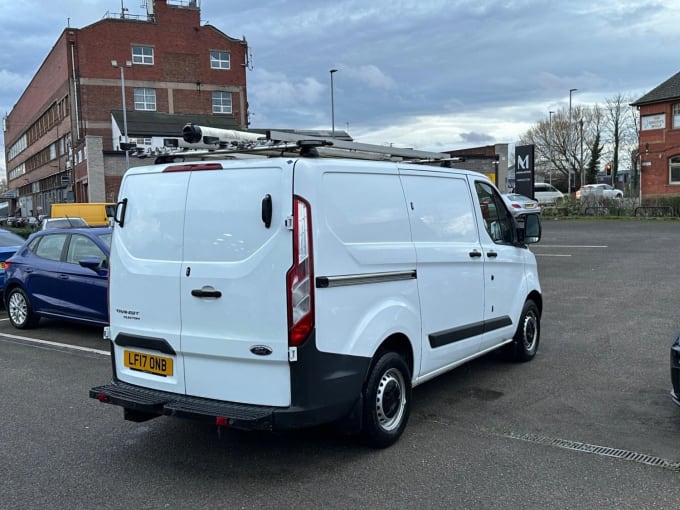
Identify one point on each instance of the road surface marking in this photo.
(54, 344)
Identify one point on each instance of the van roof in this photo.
(283, 162)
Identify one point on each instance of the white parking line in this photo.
(552, 255)
(54, 344)
(570, 246)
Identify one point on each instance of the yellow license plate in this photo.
(159, 365)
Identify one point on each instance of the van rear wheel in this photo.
(19, 310)
(387, 400)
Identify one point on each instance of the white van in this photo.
(289, 292)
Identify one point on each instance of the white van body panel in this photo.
(212, 238)
(505, 283)
(227, 247)
(360, 232)
(450, 282)
(147, 254)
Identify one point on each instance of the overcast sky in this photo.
(428, 74)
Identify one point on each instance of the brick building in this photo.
(491, 160)
(63, 137)
(660, 139)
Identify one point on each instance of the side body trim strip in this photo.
(324, 282)
(449, 336)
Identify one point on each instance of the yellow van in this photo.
(95, 214)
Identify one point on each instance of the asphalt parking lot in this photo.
(587, 424)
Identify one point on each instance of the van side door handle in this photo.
(206, 292)
(475, 254)
(491, 254)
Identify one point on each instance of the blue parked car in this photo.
(9, 243)
(61, 274)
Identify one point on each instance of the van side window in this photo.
(497, 219)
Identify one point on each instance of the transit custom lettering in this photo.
(128, 314)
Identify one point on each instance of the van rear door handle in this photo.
(475, 253)
(491, 254)
(206, 292)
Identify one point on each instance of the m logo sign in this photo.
(524, 170)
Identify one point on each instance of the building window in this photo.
(221, 102)
(676, 116)
(145, 99)
(142, 55)
(220, 60)
(674, 170)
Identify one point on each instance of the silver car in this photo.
(519, 204)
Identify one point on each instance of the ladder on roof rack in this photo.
(201, 142)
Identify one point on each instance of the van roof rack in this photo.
(202, 142)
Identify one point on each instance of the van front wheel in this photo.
(387, 400)
(525, 343)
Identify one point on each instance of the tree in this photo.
(593, 135)
(594, 162)
(621, 127)
(561, 147)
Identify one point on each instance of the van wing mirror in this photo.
(529, 228)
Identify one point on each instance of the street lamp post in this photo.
(332, 72)
(580, 163)
(128, 63)
(571, 91)
(550, 146)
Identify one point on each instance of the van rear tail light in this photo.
(300, 276)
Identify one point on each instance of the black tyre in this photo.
(19, 310)
(528, 334)
(387, 400)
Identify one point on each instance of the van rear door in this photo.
(233, 284)
(144, 277)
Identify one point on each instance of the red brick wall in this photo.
(49, 84)
(181, 63)
(657, 146)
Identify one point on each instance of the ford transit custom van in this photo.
(283, 293)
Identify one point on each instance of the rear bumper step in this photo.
(156, 402)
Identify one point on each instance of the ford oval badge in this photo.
(261, 350)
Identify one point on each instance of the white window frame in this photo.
(674, 168)
(675, 115)
(142, 55)
(220, 60)
(145, 99)
(220, 100)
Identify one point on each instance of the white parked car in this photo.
(599, 191)
(62, 223)
(547, 194)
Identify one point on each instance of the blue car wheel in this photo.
(19, 310)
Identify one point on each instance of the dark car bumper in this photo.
(675, 369)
